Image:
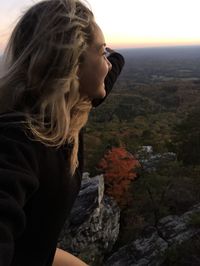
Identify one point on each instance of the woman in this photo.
(56, 71)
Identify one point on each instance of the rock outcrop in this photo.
(149, 249)
(150, 161)
(93, 225)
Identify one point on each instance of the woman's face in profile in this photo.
(95, 67)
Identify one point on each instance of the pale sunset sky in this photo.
(128, 23)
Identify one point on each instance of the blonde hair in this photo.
(42, 60)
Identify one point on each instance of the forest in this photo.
(155, 103)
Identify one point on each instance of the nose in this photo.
(109, 65)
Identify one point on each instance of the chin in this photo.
(102, 93)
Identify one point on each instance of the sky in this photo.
(128, 23)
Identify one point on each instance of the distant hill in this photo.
(0, 64)
(164, 52)
(150, 65)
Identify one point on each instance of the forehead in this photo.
(99, 39)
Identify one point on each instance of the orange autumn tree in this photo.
(119, 168)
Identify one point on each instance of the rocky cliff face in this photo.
(93, 226)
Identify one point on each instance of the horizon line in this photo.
(144, 47)
(157, 46)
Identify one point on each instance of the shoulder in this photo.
(15, 141)
(13, 127)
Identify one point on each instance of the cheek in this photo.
(102, 70)
(93, 74)
(97, 72)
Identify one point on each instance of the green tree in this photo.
(187, 138)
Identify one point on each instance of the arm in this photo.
(63, 258)
(17, 182)
(117, 62)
